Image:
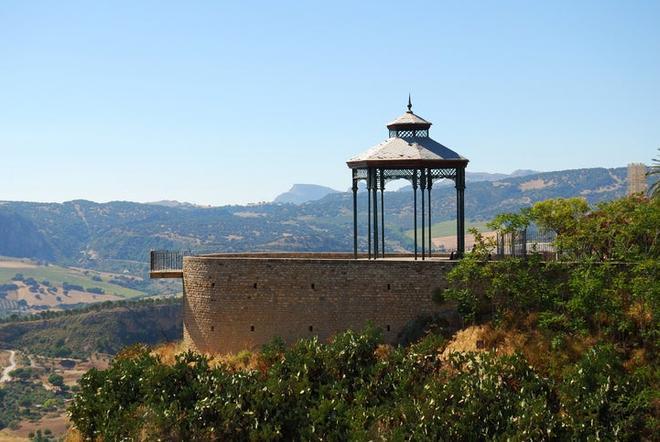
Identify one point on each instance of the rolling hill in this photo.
(102, 328)
(117, 236)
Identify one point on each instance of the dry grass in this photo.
(167, 352)
(7, 435)
(641, 314)
(73, 435)
(638, 358)
(243, 360)
(536, 184)
(383, 352)
(524, 338)
(58, 423)
(17, 264)
(449, 242)
(479, 338)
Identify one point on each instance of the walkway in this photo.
(12, 366)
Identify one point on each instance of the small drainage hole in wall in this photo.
(255, 285)
(388, 287)
(212, 328)
(311, 328)
(252, 328)
(212, 284)
(313, 286)
(388, 327)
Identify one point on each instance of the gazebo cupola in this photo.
(409, 125)
(409, 153)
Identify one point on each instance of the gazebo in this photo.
(409, 153)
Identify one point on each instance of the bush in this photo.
(96, 290)
(56, 380)
(348, 389)
(68, 287)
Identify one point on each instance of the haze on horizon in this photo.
(232, 103)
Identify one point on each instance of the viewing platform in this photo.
(169, 263)
(166, 264)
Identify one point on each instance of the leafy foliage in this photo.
(351, 389)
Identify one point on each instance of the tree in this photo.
(510, 222)
(559, 215)
(56, 380)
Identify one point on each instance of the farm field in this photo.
(447, 228)
(444, 233)
(58, 275)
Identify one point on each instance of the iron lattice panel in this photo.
(360, 174)
(405, 133)
(398, 174)
(409, 133)
(439, 174)
(406, 174)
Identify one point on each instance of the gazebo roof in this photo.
(409, 119)
(408, 146)
(407, 152)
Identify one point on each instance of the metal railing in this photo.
(525, 242)
(167, 260)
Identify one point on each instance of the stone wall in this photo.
(236, 302)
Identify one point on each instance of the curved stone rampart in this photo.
(236, 302)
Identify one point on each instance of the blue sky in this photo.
(232, 102)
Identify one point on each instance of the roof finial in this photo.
(409, 104)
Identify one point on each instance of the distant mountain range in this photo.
(303, 193)
(117, 235)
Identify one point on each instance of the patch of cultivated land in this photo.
(447, 228)
(52, 300)
(449, 242)
(444, 233)
(57, 276)
(16, 263)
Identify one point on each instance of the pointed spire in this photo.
(409, 104)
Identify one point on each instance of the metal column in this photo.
(460, 211)
(382, 212)
(414, 184)
(375, 199)
(429, 184)
(422, 187)
(369, 211)
(355, 229)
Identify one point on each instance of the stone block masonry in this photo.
(237, 302)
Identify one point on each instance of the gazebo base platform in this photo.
(234, 302)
